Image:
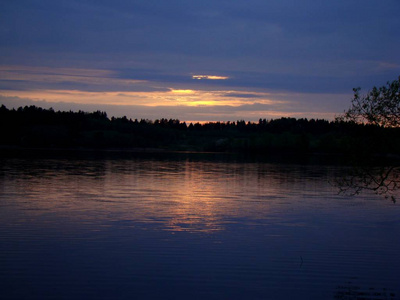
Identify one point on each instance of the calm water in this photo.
(191, 229)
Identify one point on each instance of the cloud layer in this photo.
(291, 56)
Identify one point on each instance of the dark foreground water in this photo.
(191, 229)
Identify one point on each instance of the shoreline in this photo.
(13, 151)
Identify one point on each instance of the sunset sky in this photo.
(208, 60)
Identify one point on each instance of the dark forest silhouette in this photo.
(37, 127)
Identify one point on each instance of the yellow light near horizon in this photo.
(217, 77)
(203, 103)
(209, 77)
(183, 91)
(160, 98)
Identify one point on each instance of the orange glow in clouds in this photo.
(160, 98)
(209, 77)
(104, 87)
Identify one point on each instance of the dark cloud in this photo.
(217, 28)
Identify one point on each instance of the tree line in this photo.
(32, 126)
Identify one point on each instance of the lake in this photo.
(189, 227)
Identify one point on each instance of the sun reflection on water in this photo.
(170, 195)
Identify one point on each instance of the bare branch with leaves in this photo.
(381, 180)
(380, 106)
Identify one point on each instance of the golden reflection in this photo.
(173, 196)
(205, 197)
